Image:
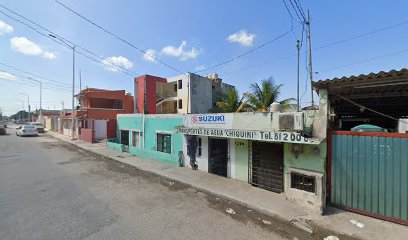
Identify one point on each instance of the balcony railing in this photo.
(164, 95)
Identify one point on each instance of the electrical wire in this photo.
(245, 53)
(321, 47)
(101, 59)
(300, 8)
(32, 74)
(297, 14)
(116, 36)
(363, 61)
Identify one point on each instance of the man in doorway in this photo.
(191, 151)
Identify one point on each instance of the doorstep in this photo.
(267, 202)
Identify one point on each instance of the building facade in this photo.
(283, 152)
(96, 117)
(186, 93)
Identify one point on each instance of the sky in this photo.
(190, 36)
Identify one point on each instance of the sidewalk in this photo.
(269, 203)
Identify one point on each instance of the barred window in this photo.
(164, 143)
(303, 182)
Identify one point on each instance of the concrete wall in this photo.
(153, 124)
(86, 135)
(200, 94)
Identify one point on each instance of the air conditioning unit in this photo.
(292, 121)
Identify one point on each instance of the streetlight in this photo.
(73, 80)
(28, 103)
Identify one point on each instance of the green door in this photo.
(369, 174)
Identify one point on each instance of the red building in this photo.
(96, 116)
(146, 83)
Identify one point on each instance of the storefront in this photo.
(262, 154)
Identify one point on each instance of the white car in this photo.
(26, 130)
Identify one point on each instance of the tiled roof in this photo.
(392, 74)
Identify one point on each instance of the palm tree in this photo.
(261, 97)
(230, 102)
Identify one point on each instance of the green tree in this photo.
(262, 96)
(231, 102)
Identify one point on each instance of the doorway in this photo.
(266, 168)
(124, 137)
(218, 156)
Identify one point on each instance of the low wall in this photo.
(116, 146)
(170, 159)
(86, 135)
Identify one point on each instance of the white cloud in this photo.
(49, 55)
(113, 63)
(242, 37)
(25, 46)
(180, 51)
(5, 28)
(150, 55)
(7, 76)
(200, 68)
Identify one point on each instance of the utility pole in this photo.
(298, 54)
(73, 94)
(310, 54)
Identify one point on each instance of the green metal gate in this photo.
(368, 174)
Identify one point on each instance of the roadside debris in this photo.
(249, 210)
(230, 211)
(302, 225)
(171, 183)
(331, 237)
(357, 223)
(267, 222)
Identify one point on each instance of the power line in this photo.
(101, 59)
(364, 61)
(116, 36)
(32, 74)
(322, 47)
(297, 2)
(297, 14)
(245, 53)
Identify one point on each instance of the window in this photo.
(180, 104)
(117, 104)
(303, 182)
(199, 148)
(180, 84)
(124, 137)
(164, 143)
(136, 139)
(175, 87)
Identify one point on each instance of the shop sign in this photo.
(208, 119)
(268, 136)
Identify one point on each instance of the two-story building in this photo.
(96, 116)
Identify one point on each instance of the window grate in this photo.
(303, 182)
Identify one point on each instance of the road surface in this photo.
(53, 190)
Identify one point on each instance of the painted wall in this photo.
(148, 141)
(150, 92)
(312, 158)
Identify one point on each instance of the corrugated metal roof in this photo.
(392, 74)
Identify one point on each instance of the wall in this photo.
(150, 92)
(312, 158)
(200, 94)
(153, 124)
(86, 135)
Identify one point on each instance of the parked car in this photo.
(26, 130)
(39, 127)
(368, 128)
(2, 130)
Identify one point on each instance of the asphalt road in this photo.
(53, 190)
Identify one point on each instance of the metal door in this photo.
(368, 173)
(266, 166)
(100, 129)
(218, 156)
